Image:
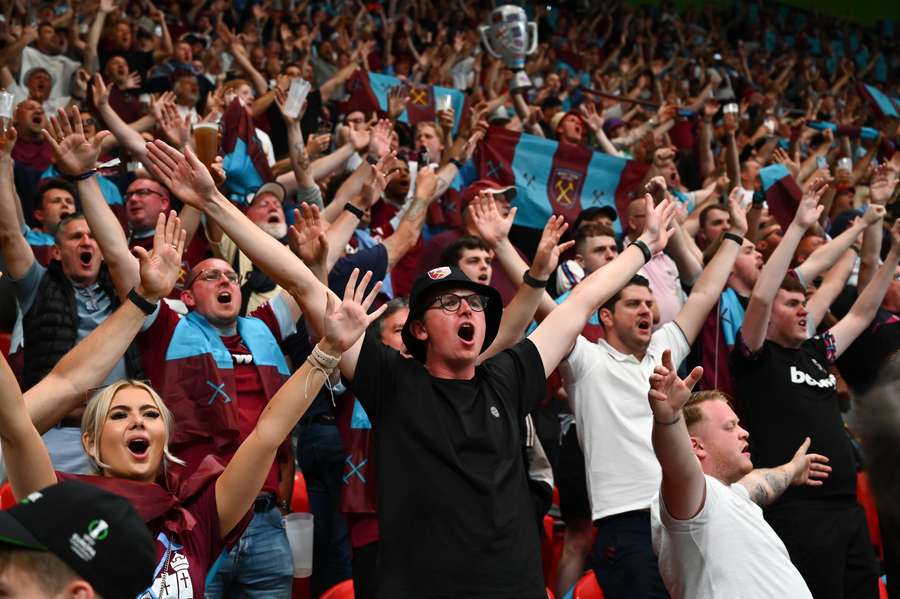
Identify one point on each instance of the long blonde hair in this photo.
(95, 417)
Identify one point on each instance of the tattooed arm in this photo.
(407, 233)
(766, 485)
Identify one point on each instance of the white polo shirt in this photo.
(726, 550)
(608, 392)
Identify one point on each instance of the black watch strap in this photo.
(147, 307)
(354, 210)
(733, 237)
(644, 250)
(532, 282)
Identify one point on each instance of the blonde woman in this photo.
(126, 428)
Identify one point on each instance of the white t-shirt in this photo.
(60, 68)
(726, 550)
(608, 392)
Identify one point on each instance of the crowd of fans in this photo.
(205, 290)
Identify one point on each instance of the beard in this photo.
(276, 230)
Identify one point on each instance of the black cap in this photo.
(592, 213)
(441, 278)
(96, 533)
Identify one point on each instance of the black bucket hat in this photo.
(441, 278)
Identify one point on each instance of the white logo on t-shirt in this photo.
(495, 412)
(173, 580)
(799, 377)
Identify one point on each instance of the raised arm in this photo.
(17, 254)
(127, 137)
(65, 386)
(296, 147)
(827, 254)
(556, 335)
(756, 319)
(245, 474)
(766, 485)
(683, 487)
(863, 311)
(832, 284)
(75, 156)
(712, 280)
(520, 311)
(407, 233)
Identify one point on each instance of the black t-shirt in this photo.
(786, 395)
(455, 513)
(861, 363)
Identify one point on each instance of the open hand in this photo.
(346, 322)
(73, 152)
(549, 249)
(656, 227)
(184, 174)
(668, 393)
(161, 266)
(808, 468)
(809, 210)
(492, 227)
(306, 237)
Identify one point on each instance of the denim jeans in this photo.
(320, 455)
(259, 565)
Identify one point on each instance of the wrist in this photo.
(145, 301)
(667, 422)
(736, 235)
(538, 280)
(330, 348)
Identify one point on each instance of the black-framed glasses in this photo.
(88, 122)
(450, 302)
(213, 274)
(144, 192)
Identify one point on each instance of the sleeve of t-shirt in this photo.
(27, 287)
(713, 494)
(520, 370)
(277, 317)
(670, 336)
(374, 258)
(578, 362)
(743, 360)
(373, 380)
(822, 347)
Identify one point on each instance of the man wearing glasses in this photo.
(145, 200)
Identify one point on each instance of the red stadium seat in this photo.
(300, 498)
(882, 590)
(587, 588)
(867, 500)
(550, 594)
(7, 499)
(342, 590)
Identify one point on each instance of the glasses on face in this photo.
(213, 274)
(87, 122)
(142, 193)
(450, 302)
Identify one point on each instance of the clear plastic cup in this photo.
(296, 96)
(444, 102)
(299, 529)
(6, 108)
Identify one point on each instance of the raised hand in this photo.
(73, 152)
(809, 210)
(184, 174)
(426, 182)
(808, 468)
(738, 215)
(398, 98)
(593, 119)
(176, 129)
(100, 92)
(546, 256)
(793, 165)
(281, 100)
(381, 176)
(656, 227)
(492, 227)
(133, 81)
(656, 187)
(346, 322)
(380, 138)
(668, 393)
(874, 214)
(161, 266)
(306, 237)
(884, 181)
(359, 138)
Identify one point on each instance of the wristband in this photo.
(146, 306)
(456, 163)
(733, 237)
(758, 198)
(661, 423)
(855, 249)
(532, 282)
(82, 176)
(644, 250)
(325, 360)
(371, 159)
(354, 210)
